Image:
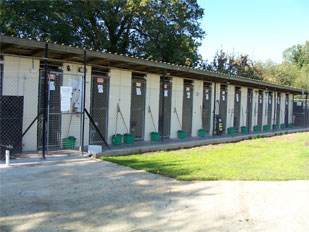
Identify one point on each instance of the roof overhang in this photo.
(36, 49)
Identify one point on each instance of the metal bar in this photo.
(84, 102)
(28, 128)
(96, 128)
(305, 114)
(275, 108)
(248, 101)
(162, 119)
(214, 112)
(44, 100)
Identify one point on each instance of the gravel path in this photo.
(91, 195)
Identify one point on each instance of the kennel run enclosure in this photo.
(71, 98)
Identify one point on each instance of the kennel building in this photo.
(46, 89)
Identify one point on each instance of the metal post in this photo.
(162, 119)
(214, 112)
(305, 114)
(275, 108)
(84, 103)
(44, 100)
(248, 99)
(7, 157)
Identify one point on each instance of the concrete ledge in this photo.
(189, 144)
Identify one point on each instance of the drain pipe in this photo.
(162, 119)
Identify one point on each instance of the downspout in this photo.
(214, 112)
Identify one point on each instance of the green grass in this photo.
(284, 157)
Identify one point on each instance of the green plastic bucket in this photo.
(117, 139)
(256, 128)
(181, 134)
(230, 130)
(291, 125)
(265, 128)
(244, 129)
(128, 138)
(201, 133)
(282, 126)
(69, 142)
(275, 127)
(155, 136)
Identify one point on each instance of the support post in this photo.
(7, 157)
(84, 103)
(214, 112)
(248, 101)
(162, 119)
(275, 108)
(45, 101)
(305, 114)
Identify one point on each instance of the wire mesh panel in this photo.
(286, 111)
(237, 104)
(64, 109)
(223, 105)
(260, 109)
(99, 106)
(187, 107)
(278, 105)
(11, 123)
(249, 109)
(166, 96)
(206, 113)
(269, 109)
(137, 119)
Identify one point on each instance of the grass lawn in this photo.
(284, 157)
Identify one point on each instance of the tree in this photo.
(297, 54)
(162, 30)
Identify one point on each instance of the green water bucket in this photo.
(116, 139)
(244, 129)
(155, 136)
(265, 128)
(282, 126)
(256, 128)
(275, 127)
(128, 138)
(230, 130)
(201, 133)
(69, 142)
(290, 125)
(181, 134)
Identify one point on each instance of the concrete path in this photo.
(91, 195)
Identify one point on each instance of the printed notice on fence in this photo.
(66, 92)
(65, 104)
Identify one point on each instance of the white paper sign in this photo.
(100, 89)
(65, 104)
(52, 85)
(165, 93)
(66, 92)
(223, 98)
(299, 104)
(188, 95)
(269, 102)
(138, 91)
(261, 101)
(207, 96)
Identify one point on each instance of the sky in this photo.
(263, 29)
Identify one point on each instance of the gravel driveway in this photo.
(92, 195)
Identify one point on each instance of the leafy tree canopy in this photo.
(167, 30)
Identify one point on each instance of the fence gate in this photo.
(223, 105)
(269, 109)
(260, 110)
(55, 78)
(249, 109)
(237, 103)
(64, 110)
(167, 97)
(206, 113)
(286, 111)
(278, 109)
(187, 106)
(138, 106)
(99, 106)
